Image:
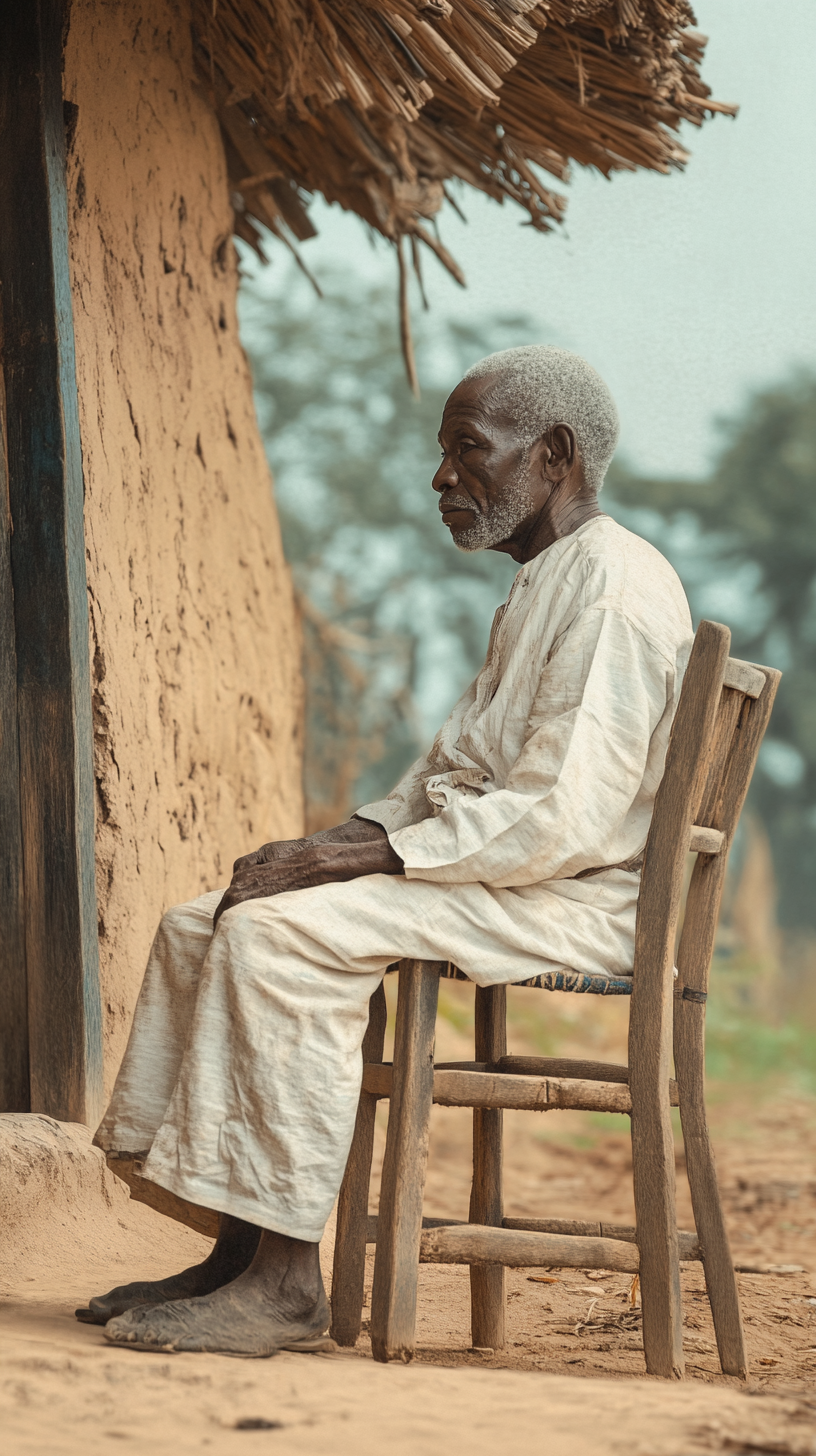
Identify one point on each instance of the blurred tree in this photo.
(396, 620)
(744, 542)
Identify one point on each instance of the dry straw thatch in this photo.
(378, 104)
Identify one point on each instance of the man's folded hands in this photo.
(345, 852)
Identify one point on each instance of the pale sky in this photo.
(684, 291)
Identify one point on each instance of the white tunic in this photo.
(549, 763)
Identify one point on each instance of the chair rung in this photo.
(579, 1228)
(521, 1094)
(624, 1232)
(427, 1223)
(743, 676)
(544, 1067)
(517, 1249)
(705, 841)
(561, 1067)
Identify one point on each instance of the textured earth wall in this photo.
(194, 639)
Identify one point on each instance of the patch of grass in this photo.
(746, 1048)
(609, 1121)
(581, 1140)
(747, 1041)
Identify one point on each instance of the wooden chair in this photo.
(721, 718)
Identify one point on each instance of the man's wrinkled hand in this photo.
(301, 864)
(268, 853)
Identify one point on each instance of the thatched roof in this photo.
(379, 103)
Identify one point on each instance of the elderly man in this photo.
(511, 849)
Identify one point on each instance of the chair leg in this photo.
(650, 1024)
(721, 1280)
(348, 1275)
(396, 1266)
(488, 1283)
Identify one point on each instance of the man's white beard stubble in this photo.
(501, 519)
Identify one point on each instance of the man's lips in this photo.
(455, 508)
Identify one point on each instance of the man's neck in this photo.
(561, 516)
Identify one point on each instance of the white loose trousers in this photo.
(243, 1069)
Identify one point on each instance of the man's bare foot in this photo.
(232, 1253)
(278, 1303)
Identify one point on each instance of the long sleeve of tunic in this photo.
(550, 762)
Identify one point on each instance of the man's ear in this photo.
(562, 452)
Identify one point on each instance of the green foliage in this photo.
(755, 550)
(396, 619)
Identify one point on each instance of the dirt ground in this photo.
(572, 1378)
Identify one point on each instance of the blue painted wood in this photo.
(48, 572)
(14, 1082)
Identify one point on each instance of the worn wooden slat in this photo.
(520, 1094)
(728, 714)
(745, 677)
(562, 1067)
(373, 1224)
(469, 1244)
(705, 841)
(688, 1243)
(393, 1299)
(129, 1169)
(48, 573)
(348, 1277)
(693, 960)
(650, 1017)
(488, 1292)
(15, 1093)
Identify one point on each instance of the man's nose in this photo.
(445, 477)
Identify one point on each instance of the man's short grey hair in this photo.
(540, 386)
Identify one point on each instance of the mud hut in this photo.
(150, 697)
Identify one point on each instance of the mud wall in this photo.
(194, 641)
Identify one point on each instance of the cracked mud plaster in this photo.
(194, 642)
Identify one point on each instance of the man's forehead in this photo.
(475, 399)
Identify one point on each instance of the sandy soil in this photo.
(572, 1377)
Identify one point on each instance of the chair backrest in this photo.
(721, 718)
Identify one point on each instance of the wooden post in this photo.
(651, 1014)
(348, 1275)
(396, 1267)
(15, 1094)
(743, 723)
(488, 1284)
(45, 490)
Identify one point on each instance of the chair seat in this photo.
(580, 981)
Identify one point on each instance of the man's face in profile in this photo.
(484, 480)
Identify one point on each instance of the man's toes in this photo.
(191, 1325)
(89, 1317)
(101, 1309)
(105, 1307)
(135, 1327)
